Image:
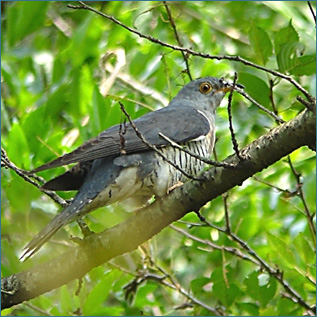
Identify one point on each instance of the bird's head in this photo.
(203, 93)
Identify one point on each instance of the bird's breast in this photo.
(164, 175)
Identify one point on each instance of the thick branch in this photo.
(127, 236)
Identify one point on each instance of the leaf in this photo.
(287, 57)
(262, 293)
(65, 300)
(261, 43)
(251, 308)
(282, 249)
(306, 65)
(98, 294)
(18, 146)
(285, 35)
(24, 18)
(305, 249)
(256, 88)
(197, 284)
(226, 294)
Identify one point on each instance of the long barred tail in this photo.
(69, 214)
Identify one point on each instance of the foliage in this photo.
(53, 65)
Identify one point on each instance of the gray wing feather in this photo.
(180, 124)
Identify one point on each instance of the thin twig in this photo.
(272, 114)
(233, 137)
(225, 203)
(312, 11)
(300, 192)
(154, 148)
(42, 312)
(143, 275)
(239, 59)
(201, 158)
(286, 192)
(5, 162)
(214, 246)
(275, 273)
(308, 104)
(170, 18)
(176, 286)
(271, 97)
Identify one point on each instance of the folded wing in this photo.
(180, 124)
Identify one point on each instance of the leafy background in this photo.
(53, 63)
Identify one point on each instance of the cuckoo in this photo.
(119, 165)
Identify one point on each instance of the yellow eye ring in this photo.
(205, 88)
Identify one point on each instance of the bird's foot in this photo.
(84, 228)
(178, 184)
(85, 231)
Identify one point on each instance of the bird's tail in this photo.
(69, 214)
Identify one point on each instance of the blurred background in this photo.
(62, 74)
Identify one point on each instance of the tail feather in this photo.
(69, 214)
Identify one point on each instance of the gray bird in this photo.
(118, 165)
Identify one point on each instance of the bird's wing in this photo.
(180, 124)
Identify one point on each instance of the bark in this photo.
(141, 226)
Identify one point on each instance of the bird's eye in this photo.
(205, 88)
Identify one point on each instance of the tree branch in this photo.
(128, 235)
(239, 59)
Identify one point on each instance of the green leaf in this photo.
(101, 109)
(24, 17)
(18, 146)
(256, 88)
(306, 65)
(98, 294)
(197, 284)
(262, 293)
(226, 294)
(261, 43)
(305, 249)
(251, 308)
(282, 248)
(285, 35)
(287, 57)
(65, 300)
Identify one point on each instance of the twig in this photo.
(275, 273)
(279, 189)
(144, 275)
(173, 284)
(214, 246)
(201, 158)
(154, 148)
(122, 131)
(26, 176)
(239, 59)
(233, 137)
(225, 204)
(312, 11)
(272, 114)
(310, 105)
(271, 97)
(170, 18)
(42, 312)
(309, 217)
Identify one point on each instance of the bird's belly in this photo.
(153, 175)
(124, 186)
(164, 175)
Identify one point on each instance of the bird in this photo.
(131, 162)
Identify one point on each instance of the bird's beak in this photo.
(225, 89)
(229, 87)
